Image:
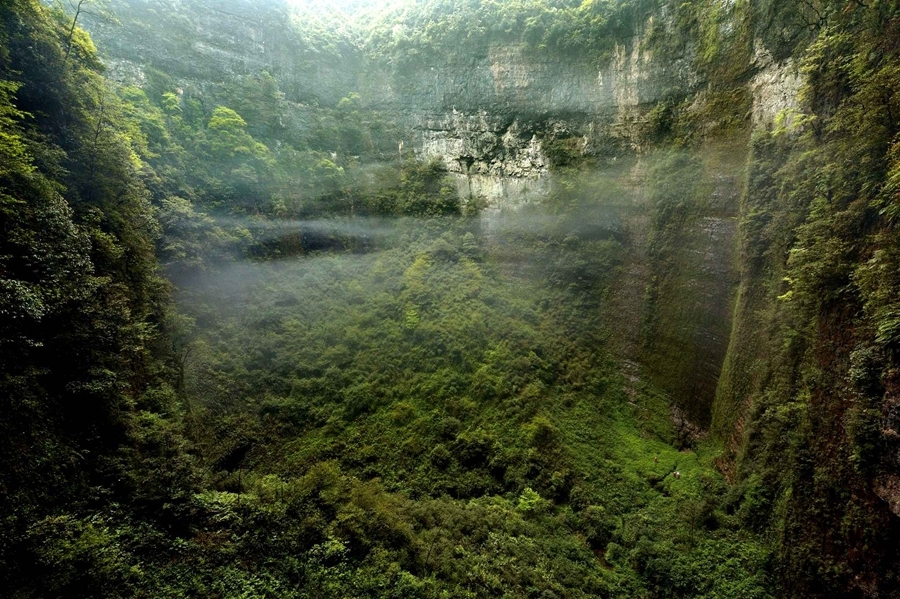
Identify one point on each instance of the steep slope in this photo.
(86, 417)
(807, 398)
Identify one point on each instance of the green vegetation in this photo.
(819, 197)
(492, 428)
(250, 347)
(82, 336)
(415, 34)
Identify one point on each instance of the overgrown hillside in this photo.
(807, 403)
(449, 299)
(89, 420)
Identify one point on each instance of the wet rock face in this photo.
(687, 433)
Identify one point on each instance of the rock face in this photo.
(488, 156)
(209, 43)
(775, 88)
(506, 80)
(488, 116)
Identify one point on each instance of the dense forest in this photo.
(450, 298)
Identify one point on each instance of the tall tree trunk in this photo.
(72, 29)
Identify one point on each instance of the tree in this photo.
(240, 166)
(97, 8)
